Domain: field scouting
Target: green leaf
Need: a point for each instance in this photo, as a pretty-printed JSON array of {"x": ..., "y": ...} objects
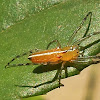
[
  {"x": 36, "y": 31},
  {"x": 13, "y": 11}
]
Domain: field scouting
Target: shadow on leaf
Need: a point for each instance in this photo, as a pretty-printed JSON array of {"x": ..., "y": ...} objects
[{"x": 46, "y": 68}]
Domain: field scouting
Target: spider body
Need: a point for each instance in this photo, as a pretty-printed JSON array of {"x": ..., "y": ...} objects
[{"x": 55, "y": 56}]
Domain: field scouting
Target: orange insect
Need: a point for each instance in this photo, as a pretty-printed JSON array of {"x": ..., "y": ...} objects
[{"x": 70, "y": 53}]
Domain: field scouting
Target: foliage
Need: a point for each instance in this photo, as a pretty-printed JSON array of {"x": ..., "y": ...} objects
[{"x": 24, "y": 29}]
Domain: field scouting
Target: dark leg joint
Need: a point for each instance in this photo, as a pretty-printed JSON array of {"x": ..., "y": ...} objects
[
  {"x": 60, "y": 84},
  {"x": 31, "y": 52},
  {"x": 28, "y": 64},
  {"x": 12, "y": 60},
  {"x": 20, "y": 64}
]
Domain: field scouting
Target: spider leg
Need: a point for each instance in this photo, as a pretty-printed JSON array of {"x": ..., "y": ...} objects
[
  {"x": 66, "y": 72},
  {"x": 80, "y": 26},
  {"x": 84, "y": 59},
  {"x": 97, "y": 57},
  {"x": 88, "y": 36},
  {"x": 14, "y": 65},
  {"x": 93, "y": 62},
  {"x": 8, "y": 64},
  {"x": 58, "y": 44},
  {"x": 62, "y": 67}
]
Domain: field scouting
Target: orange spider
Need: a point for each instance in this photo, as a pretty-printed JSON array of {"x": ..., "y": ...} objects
[{"x": 70, "y": 53}]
